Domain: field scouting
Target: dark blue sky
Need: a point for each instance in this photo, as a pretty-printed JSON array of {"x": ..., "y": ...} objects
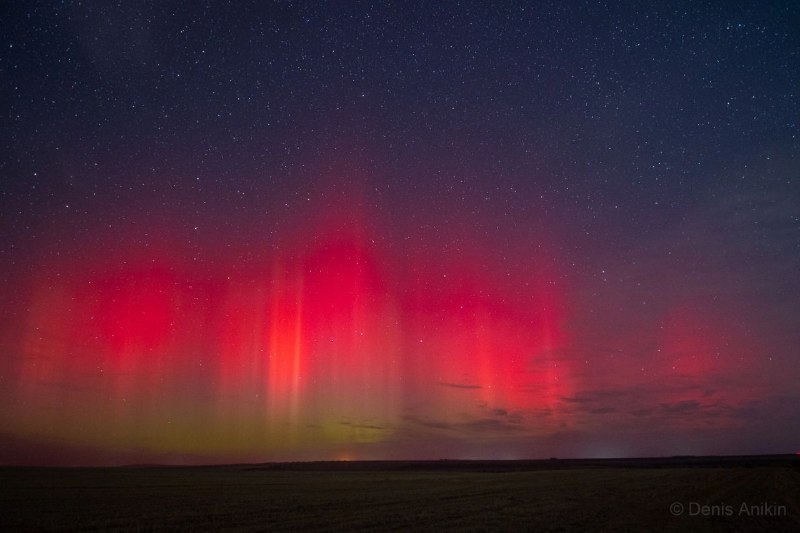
[{"x": 592, "y": 209}]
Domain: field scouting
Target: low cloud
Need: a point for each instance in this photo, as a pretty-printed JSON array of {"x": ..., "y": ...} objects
[{"x": 459, "y": 385}]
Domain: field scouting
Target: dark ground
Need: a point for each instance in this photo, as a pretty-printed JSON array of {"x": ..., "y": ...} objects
[{"x": 551, "y": 495}]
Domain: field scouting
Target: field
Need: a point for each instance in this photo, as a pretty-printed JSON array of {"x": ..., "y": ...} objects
[{"x": 537, "y": 495}]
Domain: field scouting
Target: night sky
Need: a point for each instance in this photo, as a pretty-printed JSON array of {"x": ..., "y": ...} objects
[{"x": 255, "y": 231}]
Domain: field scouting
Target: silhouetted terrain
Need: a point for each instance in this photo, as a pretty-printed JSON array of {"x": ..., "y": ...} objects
[
  {"x": 706, "y": 493},
  {"x": 555, "y": 463}
]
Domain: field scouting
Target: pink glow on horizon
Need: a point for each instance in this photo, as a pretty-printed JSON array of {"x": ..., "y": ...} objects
[{"x": 342, "y": 339}]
